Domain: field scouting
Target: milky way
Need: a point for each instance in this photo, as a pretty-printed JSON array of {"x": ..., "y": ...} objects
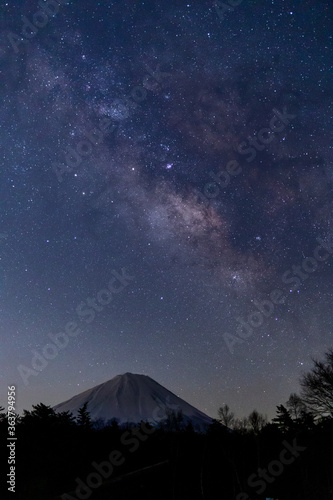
[{"x": 191, "y": 149}]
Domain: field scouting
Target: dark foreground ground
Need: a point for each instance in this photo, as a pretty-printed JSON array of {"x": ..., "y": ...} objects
[{"x": 59, "y": 460}]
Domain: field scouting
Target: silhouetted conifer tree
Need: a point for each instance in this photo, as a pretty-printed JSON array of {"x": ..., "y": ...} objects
[
  {"x": 283, "y": 419},
  {"x": 83, "y": 419}
]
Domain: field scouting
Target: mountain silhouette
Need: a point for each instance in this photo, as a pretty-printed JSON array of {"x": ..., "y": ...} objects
[{"x": 130, "y": 398}]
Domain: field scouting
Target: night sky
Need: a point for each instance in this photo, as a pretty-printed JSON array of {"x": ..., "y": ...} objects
[{"x": 178, "y": 153}]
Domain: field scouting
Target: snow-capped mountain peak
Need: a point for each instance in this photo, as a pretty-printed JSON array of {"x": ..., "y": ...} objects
[{"x": 130, "y": 398}]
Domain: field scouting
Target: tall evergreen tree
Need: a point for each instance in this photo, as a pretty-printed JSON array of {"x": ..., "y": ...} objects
[
  {"x": 83, "y": 418},
  {"x": 283, "y": 419}
]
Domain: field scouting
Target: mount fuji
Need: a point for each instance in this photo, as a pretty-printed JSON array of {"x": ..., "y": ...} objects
[{"x": 130, "y": 398}]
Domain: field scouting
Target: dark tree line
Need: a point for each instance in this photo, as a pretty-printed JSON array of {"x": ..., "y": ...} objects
[
  {"x": 231, "y": 460},
  {"x": 314, "y": 405}
]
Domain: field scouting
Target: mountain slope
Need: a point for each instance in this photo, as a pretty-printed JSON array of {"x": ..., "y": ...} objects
[{"x": 130, "y": 398}]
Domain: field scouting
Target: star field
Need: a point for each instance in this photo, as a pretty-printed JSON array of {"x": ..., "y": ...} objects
[{"x": 189, "y": 147}]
